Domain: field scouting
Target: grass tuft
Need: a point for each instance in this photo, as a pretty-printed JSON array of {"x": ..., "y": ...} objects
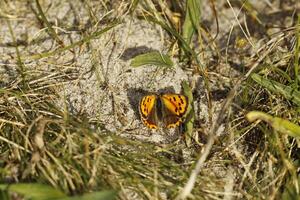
[{"x": 69, "y": 121}]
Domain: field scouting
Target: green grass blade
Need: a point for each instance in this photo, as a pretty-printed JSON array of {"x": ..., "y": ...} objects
[
  {"x": 21, "y": 66},
  {"x": 290, "y": 190},
  {"x": 152, "y": 58},
  {"x": 174, "y": 33},
  {"x": 4, "y": 194},
  {"x": 34, "y": 191},
  {"x": 190, "y": 115},
  {"x": 102, "y": 195},
  {"x": 49, "y": 26},
  {"x": 276, "y": 87},
  {"x": 278, "y": 124},
  {"x": 192, "y": 20},
  {"x": 133, "y": 5}
]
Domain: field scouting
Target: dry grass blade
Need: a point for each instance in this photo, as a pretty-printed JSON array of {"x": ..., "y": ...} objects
[
  {"x": 49, "y": 26},
  {"x": 75, "y": 44},
  {"x": 70, "y": 100},
  {"x": 212, "y": 132},
  {"x": 297, "y": 52}
]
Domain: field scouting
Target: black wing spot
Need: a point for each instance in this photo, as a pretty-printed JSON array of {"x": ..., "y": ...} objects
[
  {"x": 180, "y": 108},
  {"x": 176, "y": 110},
  {"x": 148, "y": 99},
  {"x": 174, "y": 99},
  {"x": 179, "y": 104},
  {"x": 181, "y": 100}
]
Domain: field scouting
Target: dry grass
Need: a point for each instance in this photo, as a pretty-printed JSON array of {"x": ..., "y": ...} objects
[{"x": 47, "y": 136}]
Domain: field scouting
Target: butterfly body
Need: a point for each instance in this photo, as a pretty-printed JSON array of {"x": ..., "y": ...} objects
[{"x": 166, "y": 110}]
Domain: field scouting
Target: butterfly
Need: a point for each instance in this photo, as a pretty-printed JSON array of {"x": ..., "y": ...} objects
[{"x": 165, "y": 110}]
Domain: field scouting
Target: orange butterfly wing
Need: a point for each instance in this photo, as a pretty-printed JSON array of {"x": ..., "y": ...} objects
[
  {"x": 174, "y": 108},
  {"x": 148, "y": 111}
]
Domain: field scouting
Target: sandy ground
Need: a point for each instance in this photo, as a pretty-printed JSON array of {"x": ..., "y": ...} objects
[{"x": 103, "y": 85}]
